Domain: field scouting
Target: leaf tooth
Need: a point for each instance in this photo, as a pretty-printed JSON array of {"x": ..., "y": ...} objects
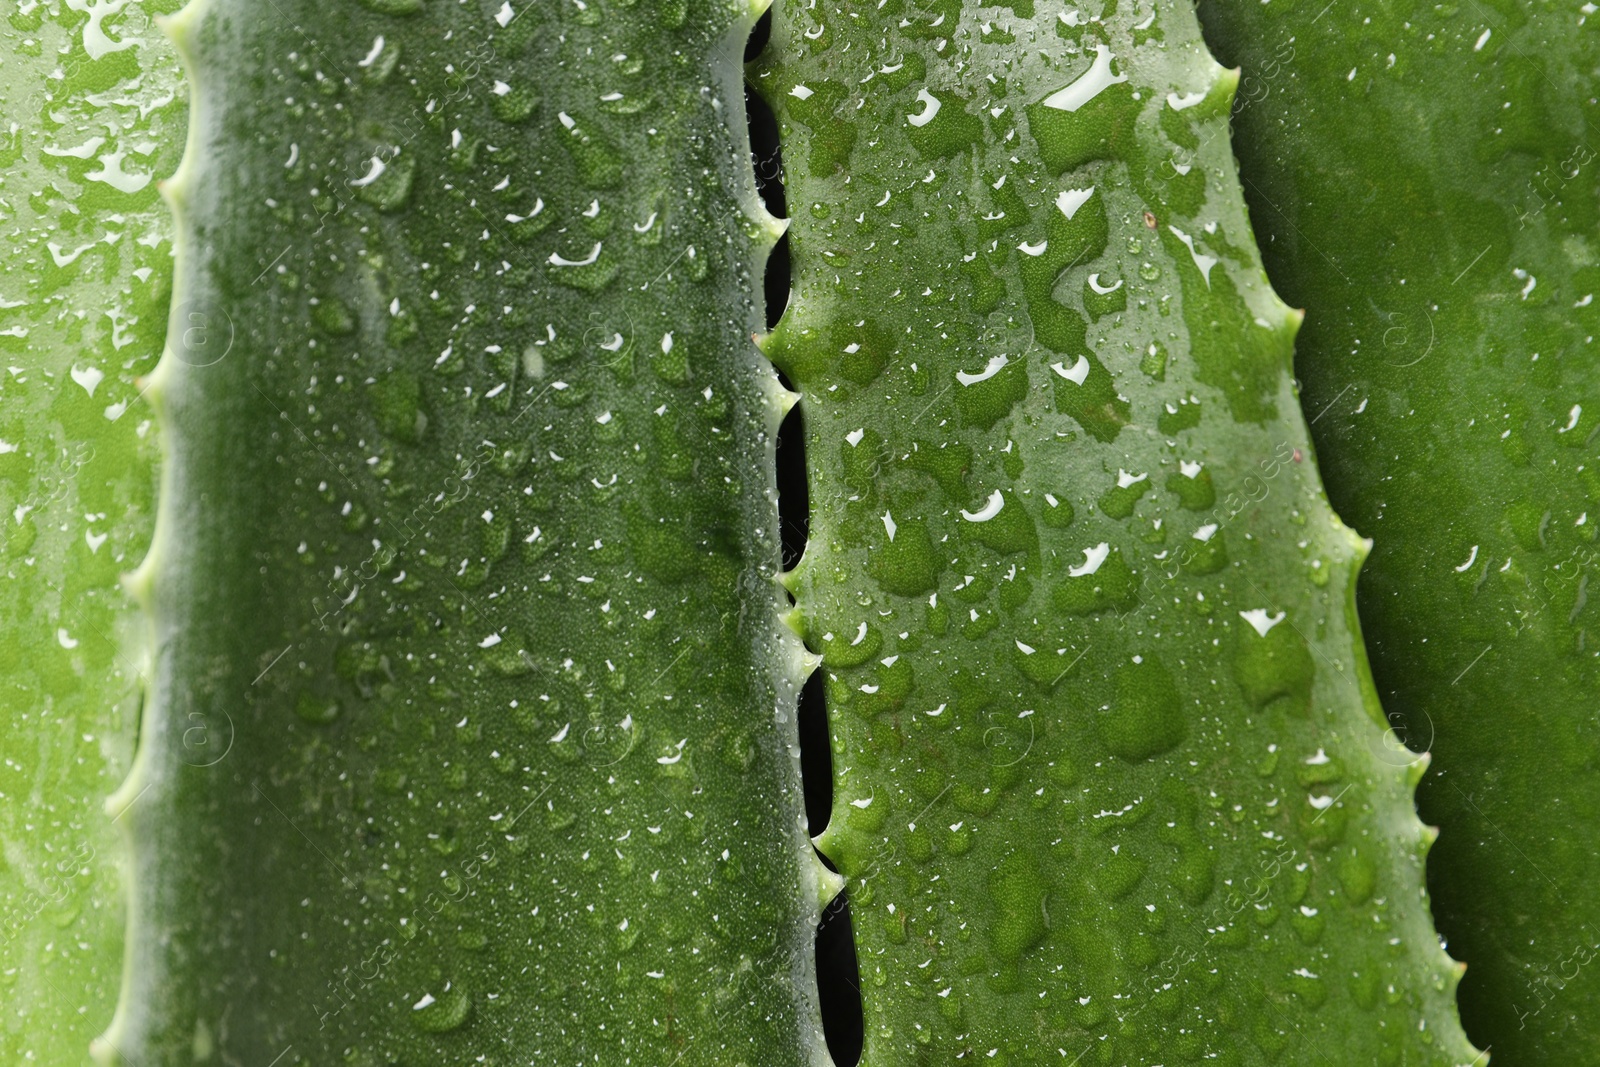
[
  {"x": 1416, "y": 769},
  {"x": 758, "y": 75},
  {"x": 794, "y": 619},
  {"x": 777, "y": 402},
  {"x": 139, "y": 583},
  {"x": 759, "y": 71},
  {"x": 772, "y": 227},
  {"x": 797, "y": 661},
  {"x": 778, "y": 343},
  {"x": 181, "y": 27},
  {"x": 106, "y": 1048},
  {"x": 829, "y": 883},
  {"x": 1294, "y": 317},
  {"x": 828, "y": 842},
  {"x": 838, "y": 843},
  {"x": 103, "y": 1049},
  {"x": 118, "y": 803},
  {"x": 153, "y": 386},
  {"x": 1226, "y": 81},
  {"x": 1346, "y": 546},
  {"x": 810, "y": 662},
  {"x": 176, "y": 189},
  {"x": 769, "y": 230},
  {"x": 794, "y": 579},
  {"x": 791, "y": 579}
]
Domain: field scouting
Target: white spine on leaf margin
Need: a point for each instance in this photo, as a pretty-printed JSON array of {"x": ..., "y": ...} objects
[{"x": 181, "y": 29}]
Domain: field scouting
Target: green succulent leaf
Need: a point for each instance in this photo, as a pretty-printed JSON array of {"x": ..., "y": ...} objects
[
  {"x": 1426, "y": 181},
  {"x": 1112, "y": 783},
  {"x": 467, "y": 548},
  {"x": 95, "y": 111},
  {"x": 467, "y": 732}
]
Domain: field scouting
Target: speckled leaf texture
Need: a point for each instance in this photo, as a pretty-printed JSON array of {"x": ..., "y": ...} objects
[
  {"x": 1425, "y": 178},
  {"x": 1112, "y": 784},
  {"x": 467, "y": 551},
  {"x": 95, "y": 109}
]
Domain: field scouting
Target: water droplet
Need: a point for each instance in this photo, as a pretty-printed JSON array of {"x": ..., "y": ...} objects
[
  {"x": 441, "y": 1012},
  {"x": 1146, "y": 717},
  {"x": 1018, "y": 894}
]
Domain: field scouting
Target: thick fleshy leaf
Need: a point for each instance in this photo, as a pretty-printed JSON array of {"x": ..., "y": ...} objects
[
  {"x": 1425, "y": 181},
  {"x": 1112, "y": 783},
  {"x": 94, "y": 112},
  {"x": 467, "y": 546}
]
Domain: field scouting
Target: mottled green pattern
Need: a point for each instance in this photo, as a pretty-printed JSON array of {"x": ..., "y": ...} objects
[
  {"x": 94, "y": 112},
  {"x": 466, "y": 555},
  {"x": 1426, "y": 182},
  {"x": 1112, "y": 784}
]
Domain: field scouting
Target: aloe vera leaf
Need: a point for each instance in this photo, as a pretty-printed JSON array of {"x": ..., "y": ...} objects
[
  {"x": 468, "y": 548},
  {"x": 94, "y": 109},
  {"x": 1112, "y": 784},
  {"x": 1426, "y": 178}
]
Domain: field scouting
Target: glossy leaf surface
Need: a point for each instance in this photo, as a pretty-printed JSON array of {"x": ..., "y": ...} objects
[
  {"x": 467, "y": 548},
  {"x": 95, "y": 112},
  {"x": 1111, "y": 782},
  {"x": 1425, "y": 181}
]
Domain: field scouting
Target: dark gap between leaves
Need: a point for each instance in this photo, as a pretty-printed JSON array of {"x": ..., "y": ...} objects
[
  {"x": 839, "y": 983},
  {"x": 838, "y": 971}
]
